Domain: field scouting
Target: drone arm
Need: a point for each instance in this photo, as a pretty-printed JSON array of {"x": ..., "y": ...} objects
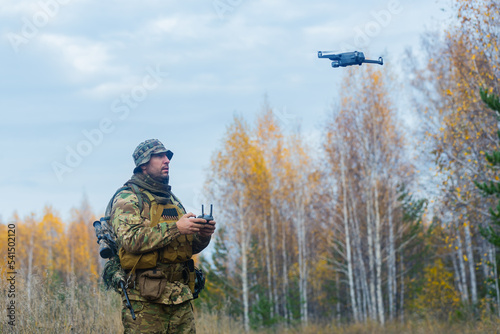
[
  {"x": 380, "y": 61},
  {"x": 328, "y": 54}
]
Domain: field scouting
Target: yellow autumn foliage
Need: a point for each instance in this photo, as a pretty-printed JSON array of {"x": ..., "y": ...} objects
[{"x": 438, "y": 295}]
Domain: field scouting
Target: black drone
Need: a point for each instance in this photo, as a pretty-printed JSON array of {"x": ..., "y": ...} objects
[{"x": 348, "y": 58}]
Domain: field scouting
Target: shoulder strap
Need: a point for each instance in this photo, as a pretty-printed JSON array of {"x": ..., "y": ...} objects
[
  {"x": 135, "y": 189},
  {"x": 137, "y": 192},
  {"x": 107, "y": 213},
  {"x": 150, "y": 196}
]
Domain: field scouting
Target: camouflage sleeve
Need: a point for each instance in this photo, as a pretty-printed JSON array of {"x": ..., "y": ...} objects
[
  {"x": 200, "y": 243},
  {"x": 113, "y": 273},
  {"x": 134, "y": 232}
]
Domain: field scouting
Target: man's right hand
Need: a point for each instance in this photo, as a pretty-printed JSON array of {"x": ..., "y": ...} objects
[{"x": 188, "y": 225}]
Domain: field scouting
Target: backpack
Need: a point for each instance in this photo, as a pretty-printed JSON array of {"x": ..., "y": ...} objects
[{"x": 106, "y": 237}]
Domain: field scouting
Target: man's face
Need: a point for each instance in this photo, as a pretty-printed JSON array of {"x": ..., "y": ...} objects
[{"x": 157, "y": 167}]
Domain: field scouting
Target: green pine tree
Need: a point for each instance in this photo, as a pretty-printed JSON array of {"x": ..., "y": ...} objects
[
  {"x": 219, "y": 293},
  {"x": 492, "y": 232}
]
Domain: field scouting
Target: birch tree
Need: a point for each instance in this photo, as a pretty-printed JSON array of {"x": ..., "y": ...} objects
[
  {"x": 233, "y": 188},
  {"x": 365, "y": 126},
  {"x": 458, "y": 129}
]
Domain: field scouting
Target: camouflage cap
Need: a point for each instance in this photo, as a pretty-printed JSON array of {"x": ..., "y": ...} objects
[{"x": 144, "y": 150}]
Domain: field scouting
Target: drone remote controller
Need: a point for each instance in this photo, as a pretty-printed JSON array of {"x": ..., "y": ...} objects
[{"x": 205, "y": 216}]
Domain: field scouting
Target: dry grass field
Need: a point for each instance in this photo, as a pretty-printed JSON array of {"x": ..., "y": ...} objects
[{"x": 74, "y": 308}]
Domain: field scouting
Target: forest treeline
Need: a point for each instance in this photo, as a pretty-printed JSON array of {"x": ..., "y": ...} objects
[{"x": 377, "y": 221}]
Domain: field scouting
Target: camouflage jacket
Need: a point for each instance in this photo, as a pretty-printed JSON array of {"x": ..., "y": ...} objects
[{"x": 136, "y": 235}]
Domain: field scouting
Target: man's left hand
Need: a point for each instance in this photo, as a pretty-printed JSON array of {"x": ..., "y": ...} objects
[{"x": 206, "y": 230}]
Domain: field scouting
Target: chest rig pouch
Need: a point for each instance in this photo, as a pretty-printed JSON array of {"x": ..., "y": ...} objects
[
  {"x": 181, "y": 249},
  {"x": 178, "y": 251}
]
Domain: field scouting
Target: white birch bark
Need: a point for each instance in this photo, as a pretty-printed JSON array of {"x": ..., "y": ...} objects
[
  {"x": 354, "y": 305},
  {"x": 378, "y": 259},
  {"x": 274, "y": 238},
  {"x": 30, "y": 267},
  {"x": 402, "y": 289},
  {"x": 337, "y": 304},
  {"x": 391, "y": 265},
  {"x": 371, "y": 257},
  {"x": 360, "y": 263},
  {"x": 461, "y": 266},
  {"x": 268, "y": 263},
  {"x": 457, "y": 277},
  {"x": 492, "y": 260},
  {"x": 300, "y": 209},
  {"x": 244, "y": 263},
  {"x": 471, "y": 262},
  {"x": 285, "y": 273},
  {"x": 359, "y": 292}
]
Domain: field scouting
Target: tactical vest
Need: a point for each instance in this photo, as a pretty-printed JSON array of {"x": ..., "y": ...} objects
[{"x": 178, "y": 251}]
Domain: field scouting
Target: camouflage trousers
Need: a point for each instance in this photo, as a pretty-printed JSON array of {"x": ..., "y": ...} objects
[{"x": 158, "y": 318}]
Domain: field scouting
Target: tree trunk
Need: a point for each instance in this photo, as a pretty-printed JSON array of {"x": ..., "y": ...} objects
[
  {"x": 268, "y": 263},
  {"x": 461, "y": 267},
  {"x": 285, "y": 273},
  {"x": 30, "y": 267},
  {"x": 244, "y": 264},
  {"x": 354, "y": 305},
  {"x": 371, "y": 257},
  {"x": 275, "y": 278},
  {"x": 360, "y": 263},
  {"x": 457, "y": 277},
  {"x": 337, "y": 304},
  {"x": 472, "y": 265},
  {"x": 300, "y": 208},
  {"x": 378, "y": 259},
  {"x": 493, "y": 262},
  {"x": 391, "y": 265},
  {"x": 402, "y": 290}
]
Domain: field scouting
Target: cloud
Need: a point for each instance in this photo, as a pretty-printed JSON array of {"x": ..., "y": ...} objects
[
  {"x": 325, "y": 31},
  {"x": 105, "y": 90},
  {"x": 14, "y": 7},
  {"x": 177, "y": 26},
  {"x": 85, "y": 58}
]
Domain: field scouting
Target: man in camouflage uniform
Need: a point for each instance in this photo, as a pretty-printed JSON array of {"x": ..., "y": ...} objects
[{"x": 156, "y": 239}]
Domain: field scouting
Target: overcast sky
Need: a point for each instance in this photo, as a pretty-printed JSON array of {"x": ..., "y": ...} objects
[{"x": 84, "y": 81}]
